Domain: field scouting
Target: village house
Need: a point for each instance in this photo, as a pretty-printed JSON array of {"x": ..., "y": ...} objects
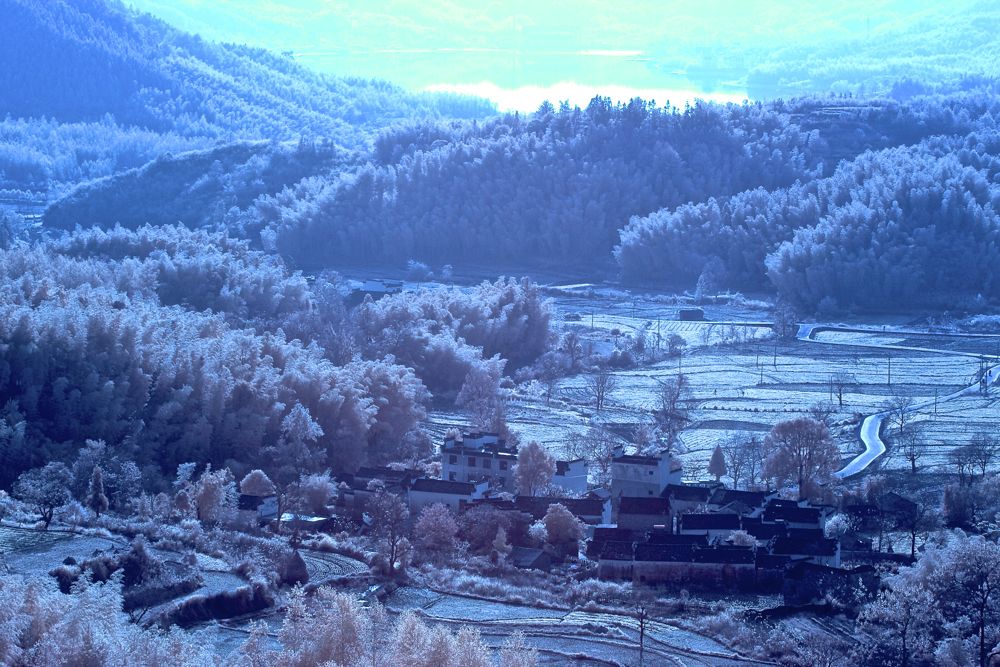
[
  {"x": 253, "y": 510},
  {"x": 713, "y": 526},
  {"x": 809, "y": 583},
  {"x": 639, "y": 476},
  {"x": 376, "y": 289},
  {"x": 527, "y": 558},
  {"x": 795, "y": 514},
  {"x": 821, "y": 551},
  {"x": 479, "y": 457},
  {"x": 710, "y": 567},
  {"x": 636, "y": 513},
  {"x": 571, "y": 476},
  {"x": 426, "y": 491},
  {"x": 590, "y": 511},
  {"x": 355, "y": 489}
]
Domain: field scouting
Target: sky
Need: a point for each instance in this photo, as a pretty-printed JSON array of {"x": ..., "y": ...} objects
[{"x": 519, "y": 52}]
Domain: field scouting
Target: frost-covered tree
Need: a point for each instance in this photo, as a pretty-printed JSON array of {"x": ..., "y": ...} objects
[
  {"x": 45, "y": 489},
  {"x": 389, "y": 516},
  {"x": 436, "y": 532},
  {"x": 534, "y": 470},
  {"x": 801, "y": 451},
  {"x": 899, "y": 625},
  {"x": 214, "y": 495},
  {"x": 313, "y": 493},
  {"x": 482, "y": 397},
  {"x": 564, "y": 530},
  {"x": 97, "y": 502},
  {"x": 597, "y": 446},
  {"x": 717, "y": 464},
  {"x": 515, "y": 652},
  {"x": 500, "y": 548},
  {"x": 671, "y": 414},
  {"x": 257, "y": 483},
  {"x": 601, "y": 385}
]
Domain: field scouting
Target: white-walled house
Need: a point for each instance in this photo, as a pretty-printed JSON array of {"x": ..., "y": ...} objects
[
  {"x": 426, "y": 491},
  {"x": 479, "y": 457},
  {"x": 257, "y": 510},
  {"x": 640, "y": 476},
  {"x": 571, "y": 476}
]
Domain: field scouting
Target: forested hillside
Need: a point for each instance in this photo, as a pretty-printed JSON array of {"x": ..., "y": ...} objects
[
  {"x": 175, "y": 345},
  {"x": 198, "y": 188},
  {"x": 89, "y": 88},
  {"x": 76, "y": 61},
  {"x": 900, "y": 227},
  {"x": 762, "y": 197}
]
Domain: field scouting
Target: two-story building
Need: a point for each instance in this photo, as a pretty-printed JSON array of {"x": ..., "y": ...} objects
[
  {"x": 571, "y": 476},
  {"x": 639, "y": 476},
  {"x": 479, "y": 457}
]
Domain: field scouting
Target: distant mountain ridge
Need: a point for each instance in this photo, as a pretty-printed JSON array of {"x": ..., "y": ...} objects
[{"x": 81, "y": 60}]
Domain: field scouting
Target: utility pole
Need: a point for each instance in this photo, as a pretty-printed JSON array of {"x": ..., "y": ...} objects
[
  {"x": 643, "y": 614},
  {"x": 774, "y": 360}
]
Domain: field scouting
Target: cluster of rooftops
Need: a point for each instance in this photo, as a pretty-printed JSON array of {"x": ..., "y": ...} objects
[{"x": 647, "y": 517}]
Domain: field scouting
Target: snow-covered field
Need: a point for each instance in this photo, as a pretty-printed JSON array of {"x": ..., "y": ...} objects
[
  {"x": 749, "y": 386},
  {"x": 569, "y": 637}
]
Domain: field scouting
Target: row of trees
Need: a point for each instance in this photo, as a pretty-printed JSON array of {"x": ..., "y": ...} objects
[{"x": 44, "y": 627}]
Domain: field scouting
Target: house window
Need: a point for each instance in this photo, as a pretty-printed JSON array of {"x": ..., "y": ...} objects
[
  {"x": 503, "y": 465},
  {"x": 452, "y": 459},
  {"x": 451, "y": 477},
  {"x": 472, "y": 461},
  {"x": 487, "y": 464}
]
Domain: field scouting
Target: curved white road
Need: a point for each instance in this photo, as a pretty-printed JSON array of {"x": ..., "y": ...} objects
[{"x": 871, "y": 427}]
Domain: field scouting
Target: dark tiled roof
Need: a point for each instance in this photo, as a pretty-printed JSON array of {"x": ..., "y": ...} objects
[
  {"x": 792, "y": 513},
  {"x": 895, "y": 503},
  {"x": 384, "y": 472},
  {"x": 616, "y": 550},
  {"x": 725, "y": 554},
  {"x": 806, "y": 533},
  {"x": 764, "y": 531},
  {"x": 749, "y": 498},
  {"x": 615, "y": 535},
  {"x": 697, "y": 494},
  {"x": 645, "y": 506},
  {"x": 766, "y": 561},
  {"x": 710, "y": 522},
  {"x": 804, "y": 569},
  {"x": 862, "y": 510},
  {"x": 637, "y": 460},
  {"x": 664, "y": 553},
  {"x": 537, "y": 506},
  {"x": 247, "y": 502},
  {"x": 792, "y": 547},
  {"x": 526, "y": 557},
  {"x": 443, "y": 486},
  {"x": 663, "y": 537}
]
